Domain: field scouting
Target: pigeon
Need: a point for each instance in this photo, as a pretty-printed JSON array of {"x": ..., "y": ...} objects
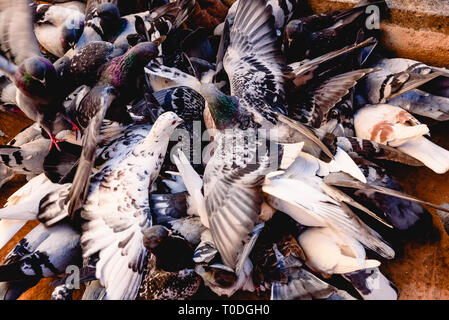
[
  {"x": 438, "y": 86},
  {"x": 396, "y": 127},
  {"x": 188, "y": 105},
  {"x": 367, "y": 150},
  {"x": 429, "y": 100},
  {"x": 23, "y": 205},
  {"x": 114, "y": 88},
  {"x": 26, "y": 152},
  {"x": 170, "y": 273},
  {"x": 315, "y": 35},
  {"x": 163, "y": 285},
  {"x": 261, "y": 97},
  {"x": 124, "y": 251},
  {"x": 279, "y": 232},
  {"x": 330, "y": 252},
  {"x": 328, "y": 209},
  {"x": 394, "y": 79},
  {"x": 300, "y": 284},
  {"x": 57, "y": 28},
  {"x": 222, "y": 279},
  {"x": 34, "y": 76},
  {"x": 404, "y": 214},
  {"x": 41, "y": 254},
  {"x": 158, "y": 21}
]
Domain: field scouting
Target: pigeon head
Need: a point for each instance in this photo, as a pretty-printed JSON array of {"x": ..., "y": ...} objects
[
  {"x": 71, "y": 32},
  {"x": 293, "y": 29},
  {"x": 36, "y": 77},
  {"x": 109, "y": 16},
  {"x": 166, "y": 123},
  {"x": 224, "y": 109},
  {"x": 141, "y": 54},
  {"x": 123, "y": 71},
  {"x": 154, "y": 236}
]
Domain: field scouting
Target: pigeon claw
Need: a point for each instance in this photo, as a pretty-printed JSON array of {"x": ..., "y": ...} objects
[
  {"x": 55, "y": 142},
  {"x": 75, "y": 128}
]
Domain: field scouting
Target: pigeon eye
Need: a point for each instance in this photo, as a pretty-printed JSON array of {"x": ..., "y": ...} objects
[{"x": 334, "y": 113}]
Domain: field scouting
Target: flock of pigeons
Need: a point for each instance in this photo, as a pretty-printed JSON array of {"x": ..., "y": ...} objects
[{"x": 286, "y": 192}]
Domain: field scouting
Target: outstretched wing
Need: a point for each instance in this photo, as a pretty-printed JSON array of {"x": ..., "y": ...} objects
[
  {"x": 233, "y": 196},
  {"x": 94, "y": 107},
  {"x": 17, "y": 39},
  {"x": 115, "y": 218},
  {"x": 324, "y": 97},
  {"x": 253, "y": 60}
]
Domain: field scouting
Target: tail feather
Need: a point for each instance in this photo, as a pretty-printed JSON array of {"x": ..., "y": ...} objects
[
  {"x": 194, "y": 184},
  {"x": 345, "y": 181},
  {"x": 60, "y": 165},
  {"x": 162, "y": 77},
  {"x": 303, "y": 285}
]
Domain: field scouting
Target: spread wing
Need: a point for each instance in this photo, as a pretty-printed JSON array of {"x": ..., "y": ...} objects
[
  {"x": 93, "y": 110},
  {"x": 233, "y": 196},
  {"x": 115, "y": 218},
  {"x": 17, "y": 39},
  {"x": 325, "y": 96},
  {"x": 253, "y": 59}
]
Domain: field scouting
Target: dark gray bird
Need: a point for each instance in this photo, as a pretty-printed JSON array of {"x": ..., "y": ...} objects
[
  {"x": 315, "y": 35},
  {"x": 157, "y": 22},
  {"x": 396, "y": 77},
  {"x": 170, "y": 270},
  {"x": 256, "y": 71},
  {"x": 187, "y": 104}
]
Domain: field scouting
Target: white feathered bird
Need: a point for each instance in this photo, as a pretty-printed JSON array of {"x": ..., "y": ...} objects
[{"x": 396, "y": 127}]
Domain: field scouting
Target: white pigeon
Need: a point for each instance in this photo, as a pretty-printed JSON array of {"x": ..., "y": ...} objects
[
  {"x": 396, "y": 127},
  {"x": 116, "y": 211},
  {"x": 332, "y": 253}
]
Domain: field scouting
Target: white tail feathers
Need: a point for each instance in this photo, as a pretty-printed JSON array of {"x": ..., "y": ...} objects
[
  {"x": 344, "y": 163},
  {"x": 162, "y": 77},
  {"x": 432, "y": 155},
  {"x": 193, "y": 183}
]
